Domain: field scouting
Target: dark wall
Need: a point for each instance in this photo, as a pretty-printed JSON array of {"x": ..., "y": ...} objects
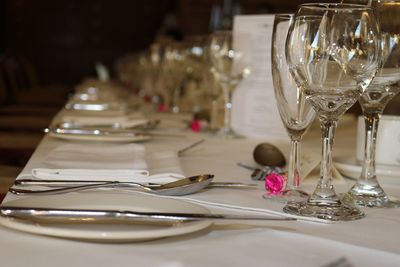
[{"x": 65, "y": 38}]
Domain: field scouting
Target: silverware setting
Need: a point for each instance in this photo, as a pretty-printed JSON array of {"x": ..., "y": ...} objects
[
  {"x": 180, "y": 187},
  {"x": 51, "y": 215},
  {"x": 95, "y": 106},
  {"x": 108, "y": 132},
  {"x": 149, "y": 125},
  {"x": 185, "y": 149}
]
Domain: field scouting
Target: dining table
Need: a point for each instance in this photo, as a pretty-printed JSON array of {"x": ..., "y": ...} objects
[{"x": 371, "y": 241}]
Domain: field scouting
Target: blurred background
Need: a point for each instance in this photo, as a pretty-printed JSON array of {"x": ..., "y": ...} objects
[
  {"x": 48, "y": 47},
  {"x": 64, "y": 39}
]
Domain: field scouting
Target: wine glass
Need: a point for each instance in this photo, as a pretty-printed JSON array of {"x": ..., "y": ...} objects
[
  {"x": 296, "y": 113},
  {"x": 195, "y": 69},
  {"x": 213, "y": 90},
  {"x": 386, "y": 84},
  {"x": 174, "y": 70},
  {"x": 229, "y": 66},
  {"x": 333, "y": 53}
]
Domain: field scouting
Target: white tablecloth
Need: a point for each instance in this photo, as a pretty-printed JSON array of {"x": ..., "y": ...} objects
[{"x": 372, "y": 241}]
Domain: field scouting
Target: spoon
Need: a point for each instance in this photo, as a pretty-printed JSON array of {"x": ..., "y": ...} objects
[{"x": 180, "y": 187}]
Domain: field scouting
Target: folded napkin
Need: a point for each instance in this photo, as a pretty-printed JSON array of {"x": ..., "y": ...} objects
[
  {"x": 81, "y": 174},
  {"x": 127, "y": 162},
  {"x": 123, "y": 121},
  {"x": 123, "y": 175}
]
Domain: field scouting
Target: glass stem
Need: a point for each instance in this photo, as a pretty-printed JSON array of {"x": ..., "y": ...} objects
[
  {"x": 371, "y": 129},
  {"x": 228, "y": 92},
  {"x": 214, "y": 114},
  {"x": 176, "y": 97},
  {"x": 294, "y": 163},
  {"x": 324, "y": 191}
]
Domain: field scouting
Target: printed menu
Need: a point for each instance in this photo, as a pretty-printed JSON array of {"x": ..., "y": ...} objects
[{"x": 254, "y": 110}]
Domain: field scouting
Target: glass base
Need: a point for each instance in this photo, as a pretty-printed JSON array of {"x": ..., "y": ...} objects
[
  {"x": 227, "y": 133},
  {"x": 336, "y": 211},
  {"x": 290, "y": 195},
  {"x": 370, "y": 201},
  {"x": 368, "y": 193}
]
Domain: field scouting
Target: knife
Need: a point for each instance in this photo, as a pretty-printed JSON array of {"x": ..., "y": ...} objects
[
  {"x": 52, "y": 215},
  {"x": 64, "y": 183}
]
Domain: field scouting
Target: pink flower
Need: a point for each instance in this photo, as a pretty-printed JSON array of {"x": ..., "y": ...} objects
[
  {"x": 195, "y": 126},
  {"x": 275, "y": 183},
  {"x": 162, "y": 108}
]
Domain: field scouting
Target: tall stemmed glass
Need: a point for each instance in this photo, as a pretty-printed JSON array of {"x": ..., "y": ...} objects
[
  {"x": 174, "y": 70},
  {"x": 229, "y": 66},
  {"x": 195, "y": 69},
  {"x": 296, "y": 113},
  {"x": 367, "y": 191},
  {"x": 333, "y": 53}
]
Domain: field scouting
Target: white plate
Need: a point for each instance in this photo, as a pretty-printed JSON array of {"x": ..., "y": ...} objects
[
  {"x": 107, "y": 232},
  {"x": 115, "y": 137},
  {"x": 349, "y": 167}
]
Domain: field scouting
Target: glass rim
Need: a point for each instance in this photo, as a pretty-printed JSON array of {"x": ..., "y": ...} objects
[
  {"x": 335, "y": 6},
  {"x": 284, "y": 15}
]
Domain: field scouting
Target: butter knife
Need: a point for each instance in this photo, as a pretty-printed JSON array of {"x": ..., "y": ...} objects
[{"x": 52, "y": 215}]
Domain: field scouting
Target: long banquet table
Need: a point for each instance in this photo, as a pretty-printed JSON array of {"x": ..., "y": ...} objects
[{"x": 372, "y": 241}]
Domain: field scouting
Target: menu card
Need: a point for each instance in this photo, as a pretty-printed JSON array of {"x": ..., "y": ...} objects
[{"x": 254, "y": 111}]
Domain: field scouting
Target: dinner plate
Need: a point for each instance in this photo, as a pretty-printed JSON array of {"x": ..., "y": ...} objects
[
  {"x": 350, "y": 167},
  {"x": 110, "y": 137},
  {"x": 107, "y": 232},
  {"x": 96, "y": 106}
]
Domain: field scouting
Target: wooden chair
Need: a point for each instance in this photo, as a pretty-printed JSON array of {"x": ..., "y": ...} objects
[
  {"x": 8, "y": 174},
  {"x": 23, "y": 88},
  {"x": 21, "y": 125}
]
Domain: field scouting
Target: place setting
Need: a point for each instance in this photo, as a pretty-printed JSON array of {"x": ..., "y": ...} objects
[
  {"x": 89, "y": 182},
  {"x": 93, "y": 123},
  {"x": 112, "y": 204},
  {"x": 98, "y": 135}
]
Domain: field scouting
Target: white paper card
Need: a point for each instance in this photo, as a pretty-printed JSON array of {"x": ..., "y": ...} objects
[{"x": 254, "y": 110}]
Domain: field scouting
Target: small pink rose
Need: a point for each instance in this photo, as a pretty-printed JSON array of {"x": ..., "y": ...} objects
[
  {"x": 162, "y": 108},
  {"x": 195, "y": 126},
  {"x": 275, "y": 183}
]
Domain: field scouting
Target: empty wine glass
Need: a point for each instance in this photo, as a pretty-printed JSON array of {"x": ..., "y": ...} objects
[
  {"x": 229, "y": 67},
  {"x": 296, "y": 113},
  {"x": 386, "y": 84},
  {"x": 195, "y": 69},
  {"x": 174, "y": 71},
  {"x": 333, "y": 53}
]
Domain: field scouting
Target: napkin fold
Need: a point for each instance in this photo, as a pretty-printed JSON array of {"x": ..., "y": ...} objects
[
  {"x": 81, "y": 174},
  {"x": 127, "y": 162},
  {"x": 122, "y": 175}
]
